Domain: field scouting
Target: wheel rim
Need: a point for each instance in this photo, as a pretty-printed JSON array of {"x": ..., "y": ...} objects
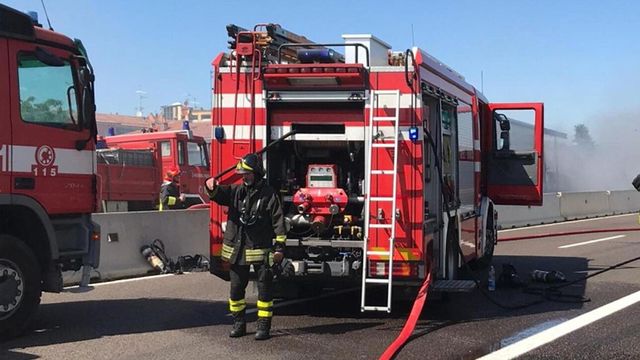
[{"x": 11, "y": 287}]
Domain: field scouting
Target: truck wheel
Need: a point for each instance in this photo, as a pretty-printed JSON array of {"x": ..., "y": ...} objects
[
  {"x": 490, "y": 244},
  {"x": 19, "y": 286}
]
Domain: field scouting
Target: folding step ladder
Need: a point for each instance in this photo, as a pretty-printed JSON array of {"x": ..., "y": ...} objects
[{"x": 373, "y": 143}]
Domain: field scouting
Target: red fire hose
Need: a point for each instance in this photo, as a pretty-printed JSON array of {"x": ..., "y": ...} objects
[
  {"x": 410, "y": 325},
  {"x": 416, "y": 310}
]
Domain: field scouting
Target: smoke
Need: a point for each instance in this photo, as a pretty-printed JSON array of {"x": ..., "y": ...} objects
[{"x": 610, "y": 164}]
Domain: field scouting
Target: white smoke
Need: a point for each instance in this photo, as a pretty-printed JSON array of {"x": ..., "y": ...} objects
[{"x": 611, "y": 164}]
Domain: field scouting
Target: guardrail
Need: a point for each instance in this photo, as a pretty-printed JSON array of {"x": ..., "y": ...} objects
[{"x": 569, "y": 206}]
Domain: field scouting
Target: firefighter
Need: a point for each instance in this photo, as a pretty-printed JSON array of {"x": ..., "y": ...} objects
[
  {"x": 170, "y": 196},
  {"x": 254, "y": 236}
]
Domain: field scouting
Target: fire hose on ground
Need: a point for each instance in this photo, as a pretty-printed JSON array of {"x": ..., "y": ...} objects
[{"x": 416, "y": 310}]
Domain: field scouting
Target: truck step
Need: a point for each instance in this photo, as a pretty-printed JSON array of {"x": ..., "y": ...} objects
[{"x": 453, "y": 285}]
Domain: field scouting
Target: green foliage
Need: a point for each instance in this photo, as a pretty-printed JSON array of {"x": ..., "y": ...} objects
[
  {"x": 582, "y": 138},
  {"x": 48, "y": 111}
]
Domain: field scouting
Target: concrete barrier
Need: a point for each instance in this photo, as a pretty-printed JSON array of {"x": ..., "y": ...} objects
[
  {"x": 584, "y": 204},
  {"x": 570, "y": 206},
  {"x": 184, "y": 232},
  {"x": 622, "y": 202},
  {"x": 515, "y": 216}
]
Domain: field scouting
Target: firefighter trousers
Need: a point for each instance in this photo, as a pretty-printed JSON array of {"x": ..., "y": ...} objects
[{"x": 239, "y": 275}]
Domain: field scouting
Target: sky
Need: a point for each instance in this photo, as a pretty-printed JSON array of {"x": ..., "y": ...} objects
[{"x": 581, "y": 58}]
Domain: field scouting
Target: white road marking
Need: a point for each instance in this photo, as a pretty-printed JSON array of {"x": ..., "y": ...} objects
[
  {"x": 124, "y": 281},
  {"x": 554, "y": 333},
  {"x": 591, "y": 241},
  {"x": 300, "y": 301},
  {"x": 567, "y": 222}
]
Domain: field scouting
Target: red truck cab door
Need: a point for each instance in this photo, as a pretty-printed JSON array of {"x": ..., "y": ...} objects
[
  {"x": 515, "y": 156},
  {"x": 46, "y": 128}
]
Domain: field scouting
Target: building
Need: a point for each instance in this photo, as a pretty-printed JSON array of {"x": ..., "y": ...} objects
[
  {"x": 120, "y": 124},
  {"x": 182, "y": 111}
]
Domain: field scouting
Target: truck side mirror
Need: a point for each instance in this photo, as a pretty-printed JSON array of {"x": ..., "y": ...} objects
[
  {"x": 636, "y": 182},
  {"x": 505, "y": 127},
  {"x": 505, "y": 124}
]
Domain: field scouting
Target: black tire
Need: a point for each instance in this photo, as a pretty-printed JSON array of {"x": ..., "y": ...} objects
[
  {"x": 19, "y": 286},
  {"x": 490, "y": 243}
]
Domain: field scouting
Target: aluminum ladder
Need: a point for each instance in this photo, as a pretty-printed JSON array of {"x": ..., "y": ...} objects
[{"x": 375, "y": 142}]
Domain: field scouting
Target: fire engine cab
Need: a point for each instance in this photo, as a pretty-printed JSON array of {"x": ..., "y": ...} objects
[
  {"x": 47, "y": 165},
  {"x": 131, "y": 168},
  {"x": 388, "y": 163}
]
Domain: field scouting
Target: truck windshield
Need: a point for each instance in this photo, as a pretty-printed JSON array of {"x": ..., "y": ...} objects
[
  {"x": 47, "y": 93},
  {"x": 197, "y": 154}
]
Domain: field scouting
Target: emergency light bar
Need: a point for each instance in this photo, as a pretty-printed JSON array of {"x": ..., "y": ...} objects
[{"x": 314, "y": 76}]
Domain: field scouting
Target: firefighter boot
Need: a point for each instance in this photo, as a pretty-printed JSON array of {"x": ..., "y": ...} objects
[
  {"x": 263, "y": 328},
  {"x": 239, "y": 325}
]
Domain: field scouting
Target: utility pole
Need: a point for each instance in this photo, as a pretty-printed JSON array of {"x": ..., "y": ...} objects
[{"x": 139, "y": 109}]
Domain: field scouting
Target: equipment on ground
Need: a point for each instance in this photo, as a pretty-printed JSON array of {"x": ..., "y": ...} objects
[{"x": 156, "y": 255}]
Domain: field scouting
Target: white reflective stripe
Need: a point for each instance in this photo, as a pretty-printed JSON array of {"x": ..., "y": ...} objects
[
  {"x": 68, "y": 161},
  {"x": 388, "y": 101},
  {"x": 476, "y": 166},
  {"x": 228, "y": 101},
  {"x": 5, "y": 156},
  {"x": 476, "y": 144},
  {"x": 243, "y": 132}
]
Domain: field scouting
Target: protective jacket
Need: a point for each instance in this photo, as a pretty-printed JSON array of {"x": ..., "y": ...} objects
[
  {"x": 169, "y": 196},
  {"x": 255, "y": 219}
]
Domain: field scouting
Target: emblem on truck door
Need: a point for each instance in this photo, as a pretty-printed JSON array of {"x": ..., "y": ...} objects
[{"x": 45, "y": 158}]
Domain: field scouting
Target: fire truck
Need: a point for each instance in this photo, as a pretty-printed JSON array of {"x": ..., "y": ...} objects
[
  {"x": 47, "y": 165},
  {"x": 388, "y": 163},
  {"x": 131, "y": 168}
]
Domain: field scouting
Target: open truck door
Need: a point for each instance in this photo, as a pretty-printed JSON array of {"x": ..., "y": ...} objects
[{"x": 515, "y": 163}]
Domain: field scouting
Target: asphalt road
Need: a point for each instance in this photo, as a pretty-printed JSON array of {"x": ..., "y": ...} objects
[{"x": 186, "y": 316}]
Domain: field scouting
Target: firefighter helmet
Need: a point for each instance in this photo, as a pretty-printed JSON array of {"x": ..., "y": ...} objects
[
  {"x": 172, "y": 172},
  {"x": 250, "y": 163}
]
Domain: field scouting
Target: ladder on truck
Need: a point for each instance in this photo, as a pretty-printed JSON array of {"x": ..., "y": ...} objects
[{"x": 375, "y": 142}]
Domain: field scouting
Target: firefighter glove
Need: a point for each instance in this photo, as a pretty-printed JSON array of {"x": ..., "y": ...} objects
[{"x": 210, "y": 185}]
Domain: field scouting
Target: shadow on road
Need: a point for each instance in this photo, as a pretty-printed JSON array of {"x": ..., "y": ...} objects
[
  {"x": 86, "y": 320},
  {"x": 459, "y": 307}
]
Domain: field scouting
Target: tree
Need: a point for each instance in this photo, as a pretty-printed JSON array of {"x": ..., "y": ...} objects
[{"x": 582, "y": 138}]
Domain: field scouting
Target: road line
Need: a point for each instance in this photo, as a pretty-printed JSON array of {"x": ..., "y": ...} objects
[
  {"x": 552, "y": 334},
  {"x": 124, "y": 281},
  {"x": 591, "y": 241},
  {"x": 300, "y": 301},
  {"x": 567, "y": 222}
]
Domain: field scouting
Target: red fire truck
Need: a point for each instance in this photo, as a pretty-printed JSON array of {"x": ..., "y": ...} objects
[
  {"x": 132, "y": 167},
  {"x": 389, "y": 163},
  {"x": 47, "y": 165}
]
